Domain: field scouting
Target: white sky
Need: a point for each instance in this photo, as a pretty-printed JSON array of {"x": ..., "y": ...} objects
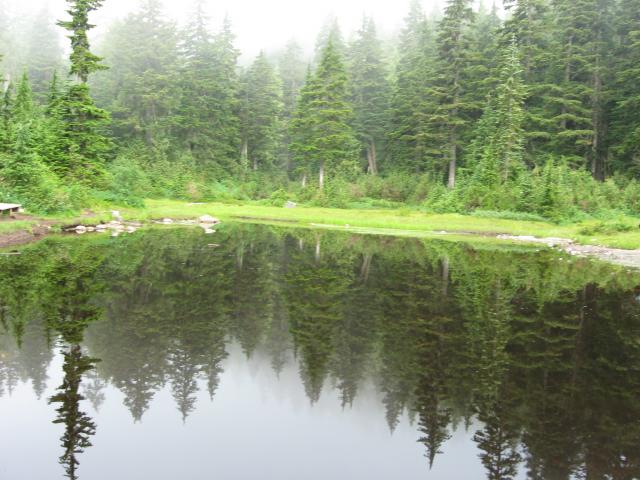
[{"x": 261, "y": 24}]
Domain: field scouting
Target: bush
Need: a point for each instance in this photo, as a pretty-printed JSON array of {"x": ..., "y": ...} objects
[{"x": 129, "y": 184}]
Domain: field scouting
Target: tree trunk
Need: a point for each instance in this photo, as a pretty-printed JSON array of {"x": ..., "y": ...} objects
[
  {"x": 321, "y": 176},
  {"x": 372, "y": 157},
  {"x": 366, "y": 267},
  {"x": 304, "y": 180},
  {"x": 453, "y": 163},
  {"x": 567, "y": 79},
  {"x": 318, "y": 249},
  {"x": 598, "y": 155},
  {"x": 445, "y": 276},
  {"x": 244, "y": 154}
]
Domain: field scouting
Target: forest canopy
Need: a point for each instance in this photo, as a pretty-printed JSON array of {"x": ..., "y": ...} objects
[{"x": 532, "y": 106}]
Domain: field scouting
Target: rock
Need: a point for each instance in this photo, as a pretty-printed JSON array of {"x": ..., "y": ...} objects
[
  {"x": 101, "y": 228},
  {"x": 131, "y": 229},
  {"x": 91, "y": 229},
  {"x": 208, "y": 220},
  {"x": 116, "y": 215},
  {"x": 81, "y": 229},
  {"x": 167, "y": 221},
  {"x": 290, "y": 205},
  {"x": 207, "y": 228}
]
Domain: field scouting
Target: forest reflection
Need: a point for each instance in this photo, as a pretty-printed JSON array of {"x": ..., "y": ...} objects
[{"x": 538, "y": 353}]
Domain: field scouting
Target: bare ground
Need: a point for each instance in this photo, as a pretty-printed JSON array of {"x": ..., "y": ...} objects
[{"x": 627, "y": 258}]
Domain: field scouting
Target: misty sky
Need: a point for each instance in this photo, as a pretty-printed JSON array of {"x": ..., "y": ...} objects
[{"x": 258, "y": 24}]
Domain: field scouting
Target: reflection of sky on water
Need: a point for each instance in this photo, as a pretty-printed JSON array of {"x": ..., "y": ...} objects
[{"x": 258, "y": 426}]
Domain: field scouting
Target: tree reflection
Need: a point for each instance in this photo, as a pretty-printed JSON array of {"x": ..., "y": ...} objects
[
  {"x": 539, "y": 358},
  {"x": 78, "y": 426}
]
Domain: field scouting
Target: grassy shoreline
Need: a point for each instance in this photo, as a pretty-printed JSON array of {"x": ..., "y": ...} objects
[
  {"x": 395, "y": 222},
  {"x": 400, "y": 222}
]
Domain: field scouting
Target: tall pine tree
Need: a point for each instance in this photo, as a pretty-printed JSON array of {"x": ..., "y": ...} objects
[
  {"x": 452, "y": 83},
  {"x": 86, "y": 145},
  {"x": 261, "y": 112},
  {"x": 324, "y": 140},
  {"x": 370, "y": 91}
]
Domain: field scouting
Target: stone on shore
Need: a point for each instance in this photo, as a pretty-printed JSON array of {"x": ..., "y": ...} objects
[{"x": 208, "y": 220}]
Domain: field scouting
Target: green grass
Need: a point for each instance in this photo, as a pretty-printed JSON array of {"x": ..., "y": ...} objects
[
  {"x": 387, "y": 221},
  {"x": 398, "y": 222},
  {"x": 7, "y": 227}
]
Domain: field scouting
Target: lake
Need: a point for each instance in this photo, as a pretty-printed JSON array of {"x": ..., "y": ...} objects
[{"x": 272, "y": 353}]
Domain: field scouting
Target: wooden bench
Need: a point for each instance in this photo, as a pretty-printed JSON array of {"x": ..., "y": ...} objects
[{"x": 9, "y": 208}]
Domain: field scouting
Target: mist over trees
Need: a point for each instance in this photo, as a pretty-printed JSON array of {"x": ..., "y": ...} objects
[{"x": 534, "y": 110}]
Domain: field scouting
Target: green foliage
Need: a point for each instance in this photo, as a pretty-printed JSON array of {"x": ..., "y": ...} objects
[
  {"x": 370, "y": 91},
  {"x": 83, "y": 62},
  {"x": 323, "y": 139},
  {"x": 513, "y": 116},
  {"x": 261, "y": 108}
]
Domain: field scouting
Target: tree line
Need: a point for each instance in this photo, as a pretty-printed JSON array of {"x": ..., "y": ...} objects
[{"x": 462, "y": 110}]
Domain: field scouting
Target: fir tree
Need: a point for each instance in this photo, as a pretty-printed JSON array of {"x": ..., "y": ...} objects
[
  {"x": 626, "y": 112},
  {"x": 530, "y": 23},
  {"x": 570, "y": 107},
  {"x": 44, "y": 53},
  {"x": 83, "y": 61},
  {"x": 369, "y": 90},
  {"x": 452, "y": 84},
  {"x": 261, "y": 114},
  {"x": 412, "y": 139},
  {"x": 292, "y": 70},
  {"x": 324, "y": 138},
  {"x": 140, "y": 86},
  {"x": 85, "y": 143}
]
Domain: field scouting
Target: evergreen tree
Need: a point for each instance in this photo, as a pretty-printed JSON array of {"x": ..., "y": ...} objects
[
  {"x": 85, "y": 143},
  {"x": 44, "y": 53},
  {"x": 261, "y": 112},
  {"x": 208, "y": 102},
  {"x": 412, "y": 140},
  {"x": 292, "y": 70},
  {"x": 83, "y": 61},
  {"x": 323, "y": 136},
  {"x": 23, "y": 106},
  {"x": 140, "y": 86},
  {"x": 529, "y": 22},
  {"x": 578, "y": 82},
  {"x": 505, "y": 143},
  {"x": 626, "y": 112},
  {"x": 452, "y": 83},
  {"x": 482, "y": 73},
  {"x": 330, "y": 32},
  {"x": 496, "y": 155},
  {"x": 226, "y": 126},
  {"x": 369, "y": 90},
  {"x": 6, "y": 107}
]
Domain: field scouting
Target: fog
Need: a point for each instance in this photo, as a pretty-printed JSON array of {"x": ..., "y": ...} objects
[{"x": 258, "y": 24}]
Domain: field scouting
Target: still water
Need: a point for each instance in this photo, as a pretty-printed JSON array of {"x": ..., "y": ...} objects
[{"x": 294, "y": 354}]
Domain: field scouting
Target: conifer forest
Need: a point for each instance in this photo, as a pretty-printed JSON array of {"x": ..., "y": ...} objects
[{"x": 530, "y": 107}]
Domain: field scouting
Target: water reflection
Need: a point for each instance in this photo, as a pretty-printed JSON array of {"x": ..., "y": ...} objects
[{"x": 536, "y": 356}]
